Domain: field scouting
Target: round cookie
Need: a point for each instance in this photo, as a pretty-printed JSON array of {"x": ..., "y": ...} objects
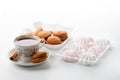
[
  {"x": 53, "y": 40},
  {"x": 44, "y": 34},
  {"x": 61, "y": 34}
]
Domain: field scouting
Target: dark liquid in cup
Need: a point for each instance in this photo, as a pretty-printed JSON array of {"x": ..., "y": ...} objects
[{"x": 26, "y": 42}]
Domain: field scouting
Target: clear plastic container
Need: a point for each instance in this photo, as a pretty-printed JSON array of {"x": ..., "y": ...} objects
[{"x": 85, "y": 51}]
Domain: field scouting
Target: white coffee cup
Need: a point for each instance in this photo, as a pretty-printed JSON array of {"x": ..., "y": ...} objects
[{"x": 27, "y": 45}]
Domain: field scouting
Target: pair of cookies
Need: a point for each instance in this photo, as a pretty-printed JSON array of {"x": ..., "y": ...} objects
[
  {"x": 39, "y": 57},
  {"x": 57, "y": 37}
]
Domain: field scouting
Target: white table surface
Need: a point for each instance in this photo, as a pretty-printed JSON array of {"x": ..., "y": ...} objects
[{"x": 99, "y": 19}]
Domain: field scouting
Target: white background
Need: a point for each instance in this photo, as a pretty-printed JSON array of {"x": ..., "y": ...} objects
[{"x": 96, "y": 18}]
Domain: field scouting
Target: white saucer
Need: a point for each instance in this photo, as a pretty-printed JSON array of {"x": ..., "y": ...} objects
[{"x": 29, "y": 63}]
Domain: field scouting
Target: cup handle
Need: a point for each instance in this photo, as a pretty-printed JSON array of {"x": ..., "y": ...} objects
[{"x": 42, "y": 42}]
